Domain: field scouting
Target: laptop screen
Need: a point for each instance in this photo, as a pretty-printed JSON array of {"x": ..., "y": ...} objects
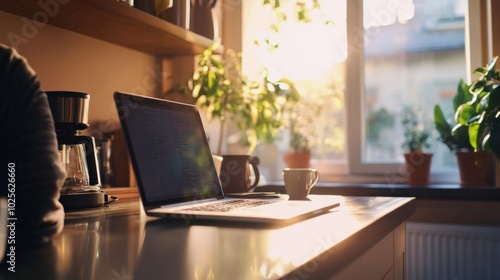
[{"x": 169, "y": 150}]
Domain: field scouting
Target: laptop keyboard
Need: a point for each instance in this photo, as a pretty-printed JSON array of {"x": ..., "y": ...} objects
[{"x": 225, "y": 206}]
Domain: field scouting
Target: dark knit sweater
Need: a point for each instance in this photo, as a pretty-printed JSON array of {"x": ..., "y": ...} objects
[{"x": 28, "y": 142}]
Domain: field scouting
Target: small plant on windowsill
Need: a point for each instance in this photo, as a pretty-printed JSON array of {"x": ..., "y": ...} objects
[
  {"x": 481, "y": 113},
  {"x": 416, "y": 134},
  {"x": 301, "y": 116},
  {"x": 416, "y": 141},
  {"x": 476, "y": 132},
  {"x": 481, "y": 116},
  {"x": 456, "y": 137}
]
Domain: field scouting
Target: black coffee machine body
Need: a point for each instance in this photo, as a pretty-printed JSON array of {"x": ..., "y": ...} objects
[{"x": 77, "y": 152}]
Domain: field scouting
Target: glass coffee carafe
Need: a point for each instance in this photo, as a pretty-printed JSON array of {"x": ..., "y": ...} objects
[
  {"x": 73, "y": 154},
  {"x": 73, "y": 159},
  {"x": 77, "y": 152}
]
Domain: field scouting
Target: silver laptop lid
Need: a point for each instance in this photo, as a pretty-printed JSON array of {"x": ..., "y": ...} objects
[{"x": 169, "y": 150}]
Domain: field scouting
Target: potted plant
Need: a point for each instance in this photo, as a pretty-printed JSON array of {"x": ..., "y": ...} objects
[
  {"x": 219, "y": 87},
  {"x": 480, "y": 113},
  {"x": 416, "y": 140},
  {"x": 476, "y": 106},
  {"x": 301, "y": 115},
  {"x": 472, "y": 164},
  {"x": 481, "y": 116}
]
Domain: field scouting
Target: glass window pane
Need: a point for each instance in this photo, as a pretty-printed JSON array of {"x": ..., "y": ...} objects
[
  {"x": 414, "y": 54},
  {"x": 310, "y": 55}
]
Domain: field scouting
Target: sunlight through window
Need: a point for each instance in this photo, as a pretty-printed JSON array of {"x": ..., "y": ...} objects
[{"x": 310, "y": 55}]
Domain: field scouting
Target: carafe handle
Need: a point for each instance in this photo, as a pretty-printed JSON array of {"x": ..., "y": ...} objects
[{"x": 91, "y": 154}]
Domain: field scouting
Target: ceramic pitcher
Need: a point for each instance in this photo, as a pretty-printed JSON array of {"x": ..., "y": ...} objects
[{"x": 235, "y": 173}]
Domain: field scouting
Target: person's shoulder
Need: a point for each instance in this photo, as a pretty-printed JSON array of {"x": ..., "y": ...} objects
[
  {"x": 19, "y": 84},
  {"x": 5, "y": 49},
  {"x": 15, "y": 66},
  {"x": 10, "y": 58},
  {"x": 7, "y": 54}
]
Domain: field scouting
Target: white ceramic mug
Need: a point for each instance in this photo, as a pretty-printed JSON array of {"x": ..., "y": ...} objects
[{"x": 299, "y": 182}]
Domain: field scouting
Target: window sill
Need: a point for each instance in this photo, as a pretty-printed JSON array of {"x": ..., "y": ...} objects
[{"x": 433, "y": 191}]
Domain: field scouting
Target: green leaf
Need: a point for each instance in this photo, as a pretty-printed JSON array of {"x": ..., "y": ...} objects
[
  {"x": 254, "y": 114},
  {"x": 481, "y": 71},
  {"x": 440, "y": 120},
  {"x": 206, "y": 53},
  {"x": 462, "y": 96},
  {"x": 216, "y": 63},
  {"x": 444, "y": 128},
  {"x": 464, "y": 113},
  {"x": 482, "y": 132},
  {"x": 329, "y": 22},
  {"x": 485, "y": 144},
  {"x": 475, "y": 119},
  {"x": 473, "y": 135},
  {"x": 461, "y": 135},
  {"x": 492, "y": 63},
  {"x": 493, "y": 137},
  {"x": 493, "y": 103},
  {"x": 196, "y": 91},
  {"x": 211, "y": 81},
  {"x": 301, "y": 16},
  {"x": 477, "y": 87}
]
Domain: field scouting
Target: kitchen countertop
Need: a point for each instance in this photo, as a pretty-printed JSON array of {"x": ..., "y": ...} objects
[{"x": 120, "y": 242}]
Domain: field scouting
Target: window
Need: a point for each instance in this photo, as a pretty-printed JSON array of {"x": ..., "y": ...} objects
[
  {"x": 378, "y": 56},
  {"x": 313, "y": 57}
]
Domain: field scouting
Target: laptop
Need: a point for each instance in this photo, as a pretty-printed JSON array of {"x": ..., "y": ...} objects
[{"x": 176, "y": 174}]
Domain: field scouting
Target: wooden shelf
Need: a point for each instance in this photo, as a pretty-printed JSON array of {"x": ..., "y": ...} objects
[{"x": 114, "y": 22}]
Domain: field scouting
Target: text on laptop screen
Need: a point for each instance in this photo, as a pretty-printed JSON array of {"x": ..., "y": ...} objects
[{"x": 171, "y": 151}]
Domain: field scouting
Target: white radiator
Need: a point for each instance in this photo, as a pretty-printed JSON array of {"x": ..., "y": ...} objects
[{"x": 452, "y": 252}]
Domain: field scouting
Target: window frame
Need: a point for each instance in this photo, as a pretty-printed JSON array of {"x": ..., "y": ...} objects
[
  {"x": 353, "y": 169},
  {"x": 354, "y": 98}
]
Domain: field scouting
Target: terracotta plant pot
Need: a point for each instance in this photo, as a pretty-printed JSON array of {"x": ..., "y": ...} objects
[
  {"x": 476, "y": 168},
  {"x": 418, "y": 166},
  {"x": 298, "y": 159}
]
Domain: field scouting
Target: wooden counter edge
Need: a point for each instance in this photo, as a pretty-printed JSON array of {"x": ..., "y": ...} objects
[{"x": 122, "y": 193}]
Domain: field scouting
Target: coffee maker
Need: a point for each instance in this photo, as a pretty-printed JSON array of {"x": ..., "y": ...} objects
[{"x": 77, "y": 152}]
